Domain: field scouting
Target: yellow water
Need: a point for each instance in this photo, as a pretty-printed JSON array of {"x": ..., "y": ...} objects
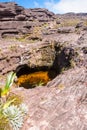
[{"x": 34, "y": 79}]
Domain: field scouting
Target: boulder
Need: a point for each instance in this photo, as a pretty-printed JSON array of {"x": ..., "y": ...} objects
[{"x": 66, "y": 30}]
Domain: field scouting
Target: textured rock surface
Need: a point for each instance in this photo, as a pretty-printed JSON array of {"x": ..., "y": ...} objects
[
  {"x": 39, "y": 55},
  {"x": 62, "y": 105},
  {"x": 57, "y": 52},
  {"x": 41, "y": 40},
  {"x": 66, "y": 30},
  {"x": 16, "y": 21},
  {"x": 39, "y": 33}
]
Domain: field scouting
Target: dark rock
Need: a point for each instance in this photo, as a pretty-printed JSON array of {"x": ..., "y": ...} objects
[
  {"x": 10, "y": 33},
  {"x": 84, "y": 50},
  {"x": 79, "y": 25}
]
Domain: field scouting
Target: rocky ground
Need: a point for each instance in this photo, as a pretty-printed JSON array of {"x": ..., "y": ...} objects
[{"x": 34, "y": 40}]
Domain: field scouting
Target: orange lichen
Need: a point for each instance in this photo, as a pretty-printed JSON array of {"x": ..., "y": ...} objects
[{"x": 34, "y": 79}]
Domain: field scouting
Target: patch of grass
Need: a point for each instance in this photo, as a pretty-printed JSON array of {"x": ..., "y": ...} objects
[
  {"x": 4, "y": 123},
  {"x": 18, "y": 99},
  {"x": 69, "y": 22},
  {"x": 85, "y": 22}
]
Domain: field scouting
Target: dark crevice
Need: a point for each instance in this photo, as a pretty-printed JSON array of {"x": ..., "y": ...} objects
[
  {"x": 25, "y": 69},
  {"x": 35, "y": 76},
  {"x": 44, "y": 74}
]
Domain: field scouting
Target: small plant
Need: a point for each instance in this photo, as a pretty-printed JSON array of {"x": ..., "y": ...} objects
[
  {"x": 14, "y": 116},
  {"x": 4, "y": 122},
  {"x": 40, "y": 83},
  {"x": 12, "y": 109},
  {"x": 10, "y": 79},
  {"x": 18, "y": 99},
  {"x": 23, "y": 108}
]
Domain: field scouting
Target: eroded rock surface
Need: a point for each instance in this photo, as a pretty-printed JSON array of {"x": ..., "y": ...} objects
[
  {"x": 16, "y": 21},
  {"x": 60, "y": 105},
  {"x": 37, "y": 39}
]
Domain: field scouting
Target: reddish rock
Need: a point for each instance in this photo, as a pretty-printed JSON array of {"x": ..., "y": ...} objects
[
  {"x": 30, "y": 42},
  {"x": 62, "y": 105},
  {"x": 14, "y": 17}
]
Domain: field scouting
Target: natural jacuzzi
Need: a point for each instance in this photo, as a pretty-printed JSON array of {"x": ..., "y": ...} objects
[{"x": 30, "y": 78}]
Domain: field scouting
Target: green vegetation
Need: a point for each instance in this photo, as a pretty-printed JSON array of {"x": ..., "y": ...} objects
[
  {"x": 18, "y": 99},
  {"x": 11, "y": 116},
  {"x": 9, "y": 82},
  {"x": 12, "y": 108},
  {"x": 41, "y": 83},
  {"x": 72, "y": 63},
  {"x": 68, "y": 22}
]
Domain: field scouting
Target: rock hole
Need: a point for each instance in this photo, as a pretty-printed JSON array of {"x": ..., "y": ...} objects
[{"x": 30, "y": 78}]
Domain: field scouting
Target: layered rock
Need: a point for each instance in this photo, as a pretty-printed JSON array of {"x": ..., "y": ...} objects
[
  {"x": 44, "y": 41},
  {"x": 44, "y": 55},
  {"x": 16, "y": 21},
  {"x": 57, "y": 55},
  {"x": 51, "y": 43}
]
